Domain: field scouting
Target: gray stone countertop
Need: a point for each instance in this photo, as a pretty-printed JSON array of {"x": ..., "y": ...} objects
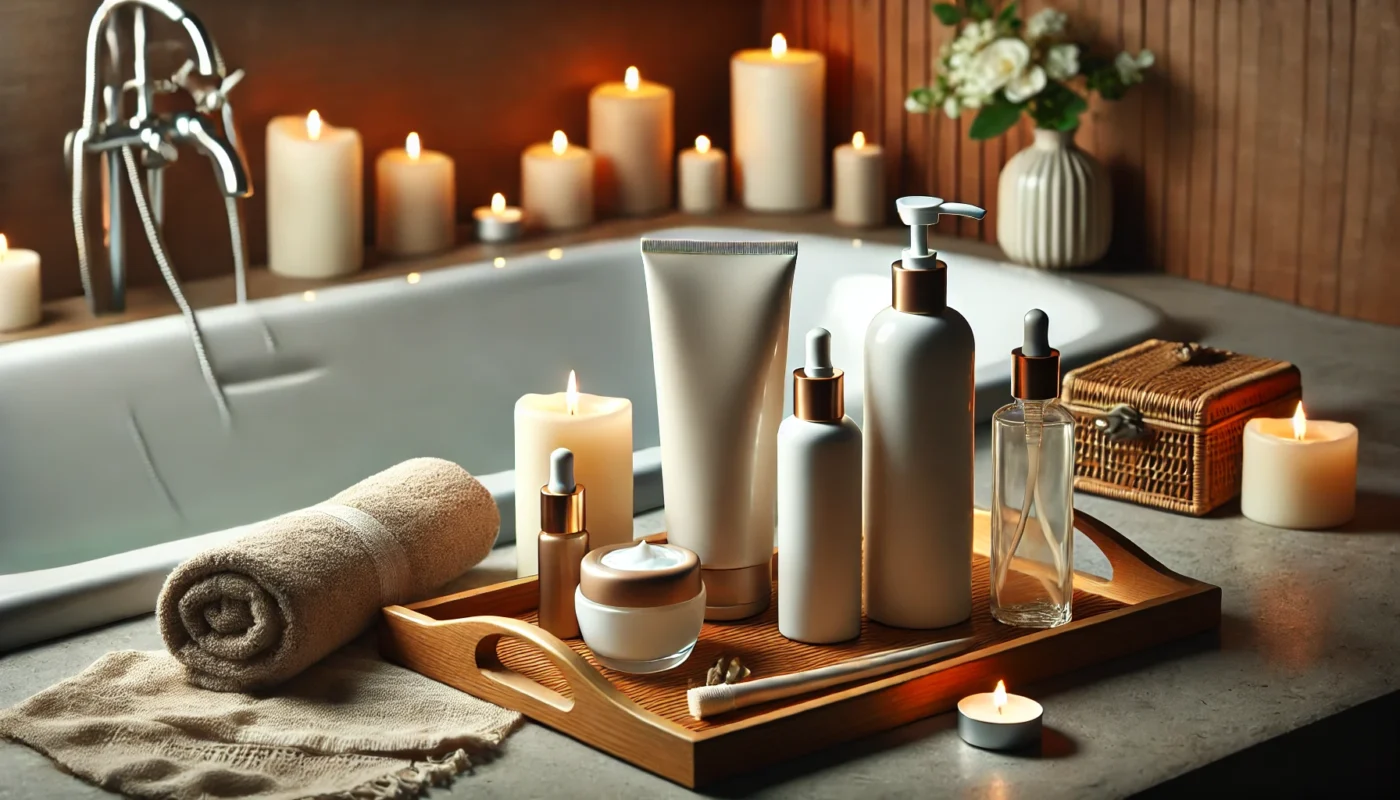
[{"x": 1311, "y": 625}]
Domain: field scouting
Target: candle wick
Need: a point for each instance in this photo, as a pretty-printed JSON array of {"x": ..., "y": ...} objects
[{"x": 998, "y": 710}]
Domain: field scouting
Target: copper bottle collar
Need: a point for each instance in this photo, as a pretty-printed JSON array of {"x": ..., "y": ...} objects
[
  {"x": 562, "y": 513},
  {"x": 919, "y": 291},
  {"x": 819, "y": 399},
  {"x": 1035, "y": 377}
]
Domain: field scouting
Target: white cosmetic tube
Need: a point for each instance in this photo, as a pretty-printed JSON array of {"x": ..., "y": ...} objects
[{"x": 719, "y": 330}]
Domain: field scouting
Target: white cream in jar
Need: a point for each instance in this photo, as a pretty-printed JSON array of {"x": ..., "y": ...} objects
[{"x": 640, "y": 606}]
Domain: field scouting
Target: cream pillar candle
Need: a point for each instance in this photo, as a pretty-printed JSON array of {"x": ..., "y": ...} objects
[
  {"x": 21, "y": 304},
  {"x": 631, "y": 130},
  {"x": 858, "y": 183},
  {"x": 702, "y": 177},
  {"x": 315, "y": 198},
  {"x": 556, "y": 184},
  {"x": 599, "y": 432},
  {"x": 776, "y": 97},
  {"x": 1299, "y": 473},
  {"x": 416, "y": 200}
]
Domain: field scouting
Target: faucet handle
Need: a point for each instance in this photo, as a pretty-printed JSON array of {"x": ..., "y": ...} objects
[{"x": 208, "y": 98}]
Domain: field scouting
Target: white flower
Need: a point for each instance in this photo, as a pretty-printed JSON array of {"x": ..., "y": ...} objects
[
  {"x": 952, "y": 108},
  {"x": 1048, "y": 22},
  {"x": 913, "y": 106},
  {"x": 1130, "y": 68},
  {"x": 1026, "y": 85},
  {"x": 997, "y": 64},
  {"x": 1062, "y": 61},
  {"x": 975, "y": 36}
]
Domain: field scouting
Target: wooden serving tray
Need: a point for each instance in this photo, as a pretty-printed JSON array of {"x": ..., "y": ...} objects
[{"x": 485, "y": 643}]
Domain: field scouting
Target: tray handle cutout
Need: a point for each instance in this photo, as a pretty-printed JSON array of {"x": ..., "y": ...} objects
[{"x": 1136, "y": 575}]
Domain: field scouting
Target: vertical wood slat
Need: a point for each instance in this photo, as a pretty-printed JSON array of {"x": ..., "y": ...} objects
[
  {"x": 1246, "y": 160},
  {"x": 1259, "y": 155},
  {"x": 1227, "y": 90}
]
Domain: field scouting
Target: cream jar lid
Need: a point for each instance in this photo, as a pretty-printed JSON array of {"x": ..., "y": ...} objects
[{"x": 640, "y": 575}]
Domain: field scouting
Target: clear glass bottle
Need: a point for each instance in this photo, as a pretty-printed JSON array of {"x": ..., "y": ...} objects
[{"x": 1032, "y": 541}]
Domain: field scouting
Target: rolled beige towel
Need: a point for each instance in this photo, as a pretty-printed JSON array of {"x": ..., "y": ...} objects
[{"x": 252, "y": 613}]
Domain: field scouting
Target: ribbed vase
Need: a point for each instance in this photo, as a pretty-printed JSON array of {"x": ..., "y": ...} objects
[{"x": 1055, "y": 204}]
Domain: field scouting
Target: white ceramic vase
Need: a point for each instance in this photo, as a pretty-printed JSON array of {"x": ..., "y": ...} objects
[{"x": 1055, "y": 204}]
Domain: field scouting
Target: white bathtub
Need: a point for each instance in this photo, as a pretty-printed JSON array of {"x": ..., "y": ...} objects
[{"x": 115, "y": 465}]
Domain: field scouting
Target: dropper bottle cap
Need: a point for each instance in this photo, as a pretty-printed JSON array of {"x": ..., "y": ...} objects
[
  {"x": 920, "y": 278},
  {"x": 561, "y": 500},
  {"x": 1035, "y": 365},
  {"x": 818, "y": 389}
]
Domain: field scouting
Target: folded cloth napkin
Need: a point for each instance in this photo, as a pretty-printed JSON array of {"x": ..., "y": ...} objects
[
  {"x": 250, "y": 614},
  {"x": 352, "y": 727}
]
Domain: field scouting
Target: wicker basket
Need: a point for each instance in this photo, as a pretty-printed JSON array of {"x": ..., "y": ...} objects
[{"x": 1161, "y": 423}]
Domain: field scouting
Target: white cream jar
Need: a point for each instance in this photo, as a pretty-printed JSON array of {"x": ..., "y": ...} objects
[{"x": 640, "y": 606}]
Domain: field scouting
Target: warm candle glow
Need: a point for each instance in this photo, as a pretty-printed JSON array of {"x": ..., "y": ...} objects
[
  {"x": 413, "y": 277},
  {"x": 313, "y": 125},
  {"x": 1300, "y": 424},
  {"x": 571, "y": 395},
  {"x": 858, "y": 140},
  {"x": 633, "y": 79},
  {"x": 560, "y": 143},
  {"x": 414, "y": 146},
  {"x": 999, "y": 696},
  {"x": 498, "y": 203},
  {"x": 4, "y": 247},
  {"x": 779, "y": 45},
  {"x": 702, "y": 144}
]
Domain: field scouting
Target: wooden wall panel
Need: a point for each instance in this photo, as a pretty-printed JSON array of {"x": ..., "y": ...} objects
[{"x": 1262, "y": 154}]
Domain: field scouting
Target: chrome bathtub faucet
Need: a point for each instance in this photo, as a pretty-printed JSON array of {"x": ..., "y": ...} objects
[{"x": 134, "y": 143}]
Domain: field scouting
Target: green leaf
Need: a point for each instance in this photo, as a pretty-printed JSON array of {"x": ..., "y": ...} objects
[
  {"x": 995, "y": 119},
  {"x": 979, "y": 9},
  {"x": 1007, "y": 16},
  {"x": 947, "y": 13}
]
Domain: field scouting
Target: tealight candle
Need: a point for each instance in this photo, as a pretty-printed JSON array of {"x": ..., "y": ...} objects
[
  {"x": 702, "y": 177},
  {"x": 21, "y": 303},
  {"x": 999, "y": 721},
  {"x": 858, "y": 183},
  {"x": 1299, "y": 473},
  {"x": 315, "y": 198},
  {"x": 599, "y": 432},
  {"x": 417, "y": 200},
  {"x": 778, "y": 118},
  {"x": 557, "y": 184},
  {"x": 631, "y": 130},
  {"x": 498, "y": 222}
]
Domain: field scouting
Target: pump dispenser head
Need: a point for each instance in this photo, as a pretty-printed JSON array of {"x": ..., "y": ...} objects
[
  {"x": 920, "y": 279},
  {"x": 561, "y": 500},
  {"x": 1035, "y": 365},
  {"x": 818, "y": 389}
]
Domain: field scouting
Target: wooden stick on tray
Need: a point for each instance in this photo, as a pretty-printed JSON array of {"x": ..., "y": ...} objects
[{"x": 709, "y": 701}]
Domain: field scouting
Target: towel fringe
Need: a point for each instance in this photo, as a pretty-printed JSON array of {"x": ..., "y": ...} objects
[{"x": 411, "y": 782}]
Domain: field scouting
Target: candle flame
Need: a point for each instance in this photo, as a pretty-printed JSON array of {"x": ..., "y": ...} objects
[
  {"x": 1300, "y": 424},
  {"x": 999, "y": 696},
  {"x": 313, "y": 125},
  {"x": 4, "y": 247},
  {"x": 633, "y": 79},
  {"x": 779, "y": 45},
  {"x": 571, "y": 394},
  {"x": 560, "y": 143},
  {"x": 414, "y": 146},
  {"x": 498, "y": 203},
  {"x": 702, "y": 144},
  {"x": 858, "y": 140}
]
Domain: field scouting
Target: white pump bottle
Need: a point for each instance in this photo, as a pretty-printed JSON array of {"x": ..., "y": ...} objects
[{"x": 919, "y": 439}]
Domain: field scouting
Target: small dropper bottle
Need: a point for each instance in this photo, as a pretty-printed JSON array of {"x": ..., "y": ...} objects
[
  {"x": 819, "y": 505},
  {"x": 1032, "y": 538},
  {"x": 563, "y": 542}
]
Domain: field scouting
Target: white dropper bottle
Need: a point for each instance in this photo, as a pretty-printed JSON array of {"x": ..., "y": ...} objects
[{"x": 819, "y": 505}]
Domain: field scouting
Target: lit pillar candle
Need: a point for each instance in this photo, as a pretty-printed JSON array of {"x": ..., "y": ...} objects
[
  {"x": 996, "y": 720},
  {"x": 702, "y": 177},
  {"x": 416, "y": 200},
  {"x": 1299, "y": 473},
  {"x": 858, "y": 183},
  {"x": 20, "y": 295},
  {"x": 556, "y": 184},
  {"x": 498, "y": 222},
  {"x": 778, "y": 118},
  {"x": 631, "y": 130},
  {"x": 599, "y": 432},
  {"x": 315, "y": 198}
]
